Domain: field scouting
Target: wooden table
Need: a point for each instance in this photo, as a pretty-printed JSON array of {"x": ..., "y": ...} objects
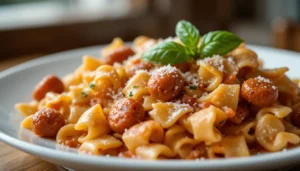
[{"x": 12, "y": 159}]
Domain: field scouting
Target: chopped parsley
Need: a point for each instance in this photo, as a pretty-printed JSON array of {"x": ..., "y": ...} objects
[
  {"x": 192, "y": 87},
  {"x": 130, "y": 94},
  {"x": 92, "y": 86},
  {"x": 135, "y": 86},
  {"x": 84, "y": 94}
]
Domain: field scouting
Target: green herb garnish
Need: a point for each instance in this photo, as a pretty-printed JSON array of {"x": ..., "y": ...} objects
[
  {"x": 130, "y": 94},
  {"x": 189, "y": 35},
  {"x": 213, "y": 43},
  {"x": 192, "y": 87},
  {"x": 92, "y": 86},
  {"x": 219, "y": 42},
  {"x": 167, "y": 53},
  {"x": 84, "y": 94}
]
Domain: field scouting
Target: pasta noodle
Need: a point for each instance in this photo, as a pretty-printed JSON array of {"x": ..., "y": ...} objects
[
  {"x": 204, "y": 124},
  {"x": 154, "y": 151},
  {"x": 27, "y": 108},
  {"x": 128, "y": 103},
  {"x": 68, "y": 135},
  {"x": 168, "y": 113},
  {"x": 278, "y": 110},
  {"x": 224, "y": 95},
  {"x": 270, "y": 133},
  {"x": 229, "y": 147},
  {"x": 136, "y": 87},
  {"x": 93, "y": 122},
  {"x": 179, "y": 141},
  {"x": 245, "y": 129},
  {"x": 27, "y": 122},
  {"x": 100, "y": 145},
  {"x": 142, "y": 133}
]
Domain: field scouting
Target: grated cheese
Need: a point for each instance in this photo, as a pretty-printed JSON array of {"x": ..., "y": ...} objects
[
  {"x": 168, "y": 69},
  {"x": 263, "y": 79}
]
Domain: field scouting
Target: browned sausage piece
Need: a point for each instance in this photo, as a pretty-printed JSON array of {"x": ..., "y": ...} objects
[
  {"x": 165, "y": 83},
  {"x": 242, "y": 112},
  {"x": 50, "y": 83},
  {"x": 124, "y": 114},
  {"x": 138, "y": 64},
  {"x": 259, "y": 91},
  {"x": 188, "y": 100},
  {"x": 183, "y": 67},
  {"x": 118, "y": 55},
  {"x": 47, "y": 122}
]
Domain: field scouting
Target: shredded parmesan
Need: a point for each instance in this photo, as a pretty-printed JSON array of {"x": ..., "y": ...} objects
[
  {"x": 217, "y": 61},
  {"x": 191, "y": 78},
  {"x": 168, "y": 69},
  {"x": 263, "y": 79}
]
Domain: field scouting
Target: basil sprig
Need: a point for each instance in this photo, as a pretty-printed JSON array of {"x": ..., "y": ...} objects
[
  {"x": 213, "y": 43},
  {"x": 188, "y": 34},
  {"x": 219, "y": 42}
]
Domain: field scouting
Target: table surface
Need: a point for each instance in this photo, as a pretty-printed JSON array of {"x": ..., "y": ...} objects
[{"x": 12, "y": 159}]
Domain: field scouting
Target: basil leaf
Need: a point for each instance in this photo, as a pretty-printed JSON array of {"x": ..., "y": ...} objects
[
  {"x": 167, "y": 53},
  {"x": 188, "y": 34},
  {"x": 219, "y": 43}
]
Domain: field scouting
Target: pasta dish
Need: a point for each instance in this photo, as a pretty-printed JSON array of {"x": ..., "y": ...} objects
[{"x": 184, "y": 97}]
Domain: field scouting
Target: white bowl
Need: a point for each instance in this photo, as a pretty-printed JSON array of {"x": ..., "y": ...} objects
[{"x": 17, "y": 84}]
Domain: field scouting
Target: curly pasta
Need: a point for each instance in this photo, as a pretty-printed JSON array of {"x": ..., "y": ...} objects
[{"x": 221, "y": 106}]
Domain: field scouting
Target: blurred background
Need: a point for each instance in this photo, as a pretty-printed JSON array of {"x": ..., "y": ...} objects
[{"x": 32, "y": 28}]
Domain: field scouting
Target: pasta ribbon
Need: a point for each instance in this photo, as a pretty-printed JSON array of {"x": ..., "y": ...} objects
[
  {"x": 107, "y": 75},
  {"x": 225, "y": 65},
  {"x": 90, "y": 63},
  {"x": 148, "y": 101},
  {"x": 291, "y": 128},
  {"x": 27, "y": 108},
  {"x": 203, "y": 124},
  {"x": 72, "y": 80},
  {"x": 100, "y": 145},
  {"x": 288, "y": 90},
  {"x": 143, "y": 43},
  {"x": 136, "y": 87},
  {"x": 224, "y": 96},
  {"x": 93, "y": 122},
  {"x": 62, "y": 104},
  {"x": 116, "y": 43},
  {"x": 68, "y": 133},
  {"x": 122, "y": 73},
  {"x": 274, "y": 74},
  {"x": 245, "y": 58},
  {"x": 142, "y": 133},
  {"x": 209, "y": 76},
  {"x": 270, "y": 133},
  {"x": 79, "y": 94},
  {"x": 88, "y": 77},
  {"x": 180, "y": 141},
  {"x": 184, "y": 121},
  {"x": 230, "y": 146},
  {"x": 75, "y": 113},
  {"x": 278, "y": 110},
  {"x": 246, "y": 129},
  {"x": 27, "y": 122},
  {"x": 50, "y": 96},
  {"x": 154, "y": 151},
  {"x": 168, "y": 113}
]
